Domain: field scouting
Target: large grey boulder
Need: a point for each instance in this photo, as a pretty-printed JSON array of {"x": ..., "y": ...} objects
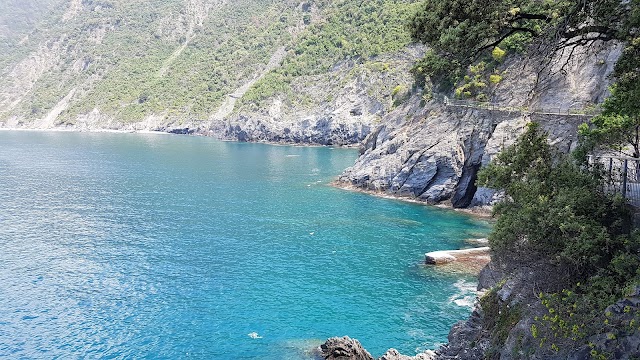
[{"x": 344, "y": 348}]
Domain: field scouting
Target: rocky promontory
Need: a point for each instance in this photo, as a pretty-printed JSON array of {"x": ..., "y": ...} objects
[{"x": 431, "y": 150}]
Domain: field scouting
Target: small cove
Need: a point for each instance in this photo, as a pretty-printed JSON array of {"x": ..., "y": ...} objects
[{"x": 141, "y": 245}]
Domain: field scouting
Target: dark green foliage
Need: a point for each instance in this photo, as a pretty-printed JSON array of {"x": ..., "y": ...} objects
[
  {"x": 576, "y": 313},
  {"x": 464, "y": 31},
  {"x": 437, "y": 68},
  {"x": 356, "y": 31},
  {"x": 557, "y": 212},
  {"x": 555, "y": 209},
  {"x": 461, "y": 31}
]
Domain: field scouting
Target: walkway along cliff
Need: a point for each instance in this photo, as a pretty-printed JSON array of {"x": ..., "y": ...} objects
[{"x": 431, "y": 151}]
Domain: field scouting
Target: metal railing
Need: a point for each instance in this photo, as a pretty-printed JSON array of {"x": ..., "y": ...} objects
[
  {"x": 622, "y": 176},
  {"x": 570, "y": 111}
]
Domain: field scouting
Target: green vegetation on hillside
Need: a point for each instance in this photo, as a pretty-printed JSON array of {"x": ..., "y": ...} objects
[
  {"x": 344, "y": 30},
  {"x": 166, "y": 57},
  {"x": 217, "y": 58},
  {"x": 180, "y": 60},
  {"x": 619, "y": 124},
  {"x": 22, "y": 22}
]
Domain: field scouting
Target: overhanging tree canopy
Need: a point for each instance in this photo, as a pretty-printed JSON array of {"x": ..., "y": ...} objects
[
  {"x": 462, "y": 30},
  {"x": 459, "y": 32}
]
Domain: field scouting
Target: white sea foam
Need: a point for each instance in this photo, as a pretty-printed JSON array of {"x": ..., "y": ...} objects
[
  {"x": 466, "y": 301},
  {"x": 254, "y": 335},
  {"x": 466, "y": 294}
]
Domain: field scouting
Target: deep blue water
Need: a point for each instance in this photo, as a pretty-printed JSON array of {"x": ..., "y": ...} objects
[{"x": 158, "y": 246}]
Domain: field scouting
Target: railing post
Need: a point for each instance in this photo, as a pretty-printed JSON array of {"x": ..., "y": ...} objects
[
  {"x": 634, "y": 180},
  {"x": 610, "y": 169},
  {"x": 624, "y": 179}
]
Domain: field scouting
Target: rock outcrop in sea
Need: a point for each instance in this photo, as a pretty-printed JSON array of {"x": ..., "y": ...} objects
[{"x": 345, "y": 348}]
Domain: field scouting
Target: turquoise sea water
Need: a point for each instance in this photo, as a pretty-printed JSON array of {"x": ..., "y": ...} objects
[{"x": 158, "y": 246}]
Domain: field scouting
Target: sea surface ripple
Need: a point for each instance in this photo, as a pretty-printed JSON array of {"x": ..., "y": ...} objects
[{"x": 143, "y": 245}]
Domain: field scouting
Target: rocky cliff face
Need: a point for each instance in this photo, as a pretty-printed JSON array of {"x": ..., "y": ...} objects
[
  {"x": 432, "y": 151},
  {"x": 340, "y": 107},
  {"x": 500, "y": 325},
  {"x": 252, "y": 70}
]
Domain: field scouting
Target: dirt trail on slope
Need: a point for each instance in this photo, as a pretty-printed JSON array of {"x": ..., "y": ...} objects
[
  {"x": 229, "y": 103},
  {"x": 197, "y": 12}
]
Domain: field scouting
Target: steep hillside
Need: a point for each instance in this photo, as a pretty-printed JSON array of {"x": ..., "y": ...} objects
[
  {"x": 196, "y": 65},
  {"x": 131, "y": 60},
  {"x": 21, "y": 20}
]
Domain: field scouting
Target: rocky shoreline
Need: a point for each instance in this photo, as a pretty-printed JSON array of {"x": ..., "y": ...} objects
[
  {"x": 346, "y": 348},
  {"x": 480, "y": 211},
  {"x": 171, "y": 131},
  {"x": 427, "y": 152}
]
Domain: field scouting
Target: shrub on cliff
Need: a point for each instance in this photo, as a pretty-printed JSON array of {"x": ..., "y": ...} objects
[
  {"x": 557, "y": 212},
  {"x": 555, "y": 209},
  {"x": 461, "y": 33}
]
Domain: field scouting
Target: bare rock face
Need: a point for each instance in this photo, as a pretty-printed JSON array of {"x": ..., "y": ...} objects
[
  {"x": 432, "y": 151},
  {"x": 393, "y": 354},
  {"x": 435, "y": 155},
  {"x": 321, "y": 111},
  {"x": 344, "y": 348}
]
